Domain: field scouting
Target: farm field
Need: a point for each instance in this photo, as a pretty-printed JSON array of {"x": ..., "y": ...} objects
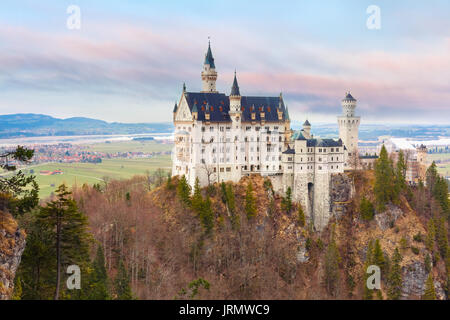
[
  {"x": 90, "y": 173},
  {"x": 130, "y": 146},
  {"x": 444, "y": 166}
]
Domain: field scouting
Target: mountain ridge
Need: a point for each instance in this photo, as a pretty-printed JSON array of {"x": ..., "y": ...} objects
[{"x": 34, "y": 125}]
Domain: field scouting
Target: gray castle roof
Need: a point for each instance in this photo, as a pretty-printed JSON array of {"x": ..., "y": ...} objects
[
  {"x": 289, "y": 150},
  {"x": 209, "y": 57},
  {"x": 218, "y": 106},
  {"x": 324, "y": 143},
  {"x": 306, "y": 123},
  {"x": 175, "y": 108}
]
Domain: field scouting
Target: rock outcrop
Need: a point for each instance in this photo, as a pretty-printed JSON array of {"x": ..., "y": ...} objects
[{"x": 12, "y": 245}]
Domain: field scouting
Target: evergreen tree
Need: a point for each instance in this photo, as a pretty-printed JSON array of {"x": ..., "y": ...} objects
[
  {"x": 99, "y": 278},
  {"x": 431, "y": 234},
  {"x": 37, "y": 267},
  {"x": 378, "y": 256},
  {"x": 286, "y": 202},
  {"x": 384, "y": 188},
  {"x": 395, "y": 277},
  {"x": 300, "y": 216},
  {"x": 230, "y": 198},
  {"x": 184, "y": 191},
  {"x": 207, "y": 216},
  {"x": 70, "y": 235},
  {"x": 250, "y": 202},
  {"x": 17, "y": 295},
  {"x": 223, "y": 188},
  {"x": 332, "y": 260},
  {"x": 197, "y": 199},
  {"x": 441, "y": 236},
  {"x": 366, "y": 208},
  {"x": 400, "y": 172},
  {"x": 430, "y": 292},
  {"x": 122, "y": 283}
]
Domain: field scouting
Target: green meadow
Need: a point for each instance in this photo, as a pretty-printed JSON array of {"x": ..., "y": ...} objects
[{"x": 90, "y": 173}]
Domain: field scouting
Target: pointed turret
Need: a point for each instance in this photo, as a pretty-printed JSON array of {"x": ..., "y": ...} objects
[
  {"x": 209, "y": 74},
  {"x": 235, "y": 87},
  {"x": 209, "y": 59},
  {"x": 286, "y": 114},
  {"x": 175, "y": 108}
]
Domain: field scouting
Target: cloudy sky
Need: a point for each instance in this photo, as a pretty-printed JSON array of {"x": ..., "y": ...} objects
[{"x": 130, "y": 58}]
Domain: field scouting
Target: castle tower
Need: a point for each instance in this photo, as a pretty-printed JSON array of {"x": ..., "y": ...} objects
[
  {"x": 348, "y": 125},
  {"x": 235, "y": 102},
  {"x": 307, "y": 129},
  {"x": 209, "y": 74}
]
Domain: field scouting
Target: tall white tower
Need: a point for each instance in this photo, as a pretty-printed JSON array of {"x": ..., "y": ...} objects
[
  {"x": 209, "y": 74},
  {"x": 349, "y": 125}
]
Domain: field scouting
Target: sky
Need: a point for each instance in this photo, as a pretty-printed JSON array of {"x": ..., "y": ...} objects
[{"x": 129, "y": 59}]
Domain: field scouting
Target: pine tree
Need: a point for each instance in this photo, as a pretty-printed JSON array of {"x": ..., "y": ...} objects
[
  {"x": 431, "y": 234},
  {"x": 230, "y": 198},
  {"x": 441, "y": 237},
  {"x": 378, "y": 256},
  {"x": 286, "y": 202},
  {"x": 184, "y": 191},
  {"x": 366, "y": 208},
  {"x": 250, "y": 202},
  {"x": 430, "y": 292},
  {"x": 400, "y": 173},
  {"x": 70, "y": 235},
  {"x": 197, "y": 199},
  {"x": 332, "y": 260},
  {"x": 300, "y": 216},
  {"x": 99, "y": 278},
  {"x": 17, "y": 295},
  {"x": 384, "y": 188},
  {"x": 207, "y": 216},
  {"x": 395, "y": 277},
  {"x": 122, "y": 283}
]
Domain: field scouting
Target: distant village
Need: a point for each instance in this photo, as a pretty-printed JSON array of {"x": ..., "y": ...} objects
[{"x": 74, "y": 153}]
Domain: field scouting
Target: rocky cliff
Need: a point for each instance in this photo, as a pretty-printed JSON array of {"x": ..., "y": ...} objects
[{"x": 12, "y": 244}]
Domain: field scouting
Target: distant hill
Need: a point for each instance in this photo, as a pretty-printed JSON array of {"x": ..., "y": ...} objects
[{"x": 33, "y": 125}]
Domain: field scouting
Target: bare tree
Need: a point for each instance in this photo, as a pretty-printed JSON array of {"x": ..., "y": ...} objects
[{"x": 210, "y": 173}]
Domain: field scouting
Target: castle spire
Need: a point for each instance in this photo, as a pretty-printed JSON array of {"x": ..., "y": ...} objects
[
  {"x": 235, "y": 87},
  {"x": 209, "y": 57}
]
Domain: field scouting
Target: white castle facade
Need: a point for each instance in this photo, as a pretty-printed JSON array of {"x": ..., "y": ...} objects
[{"x": 223, "y": 138}]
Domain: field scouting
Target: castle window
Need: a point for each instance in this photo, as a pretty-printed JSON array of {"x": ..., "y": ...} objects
[
  {"x": 331, "y": 167},
  {"x": 222, "y": 129},
  {"x": 289, "y": 158},
  {"x": 228, "y": 129},
  {"x": 248, "y": 128},
  {"x": 228, "y": 169},
  {"x": 337, "y": 149},
  {"x": 215, "y": 169},
  {"x": 203, "y": 160},
  {"x": 320, "y": 168},
  {"x": 211, "y": 129},
  {"x": 256, "y": 128},
  {"x": 203, "y": 129},
  {"x": 221, "y": 169},
  {"x": 332, "y": 149}
]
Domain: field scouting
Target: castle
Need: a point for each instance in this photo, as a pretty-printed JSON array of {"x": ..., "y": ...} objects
[{"x": 223, "y": 138}]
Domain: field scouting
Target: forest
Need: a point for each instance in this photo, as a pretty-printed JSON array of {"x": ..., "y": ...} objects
[{"x": 152, "y": 237}]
